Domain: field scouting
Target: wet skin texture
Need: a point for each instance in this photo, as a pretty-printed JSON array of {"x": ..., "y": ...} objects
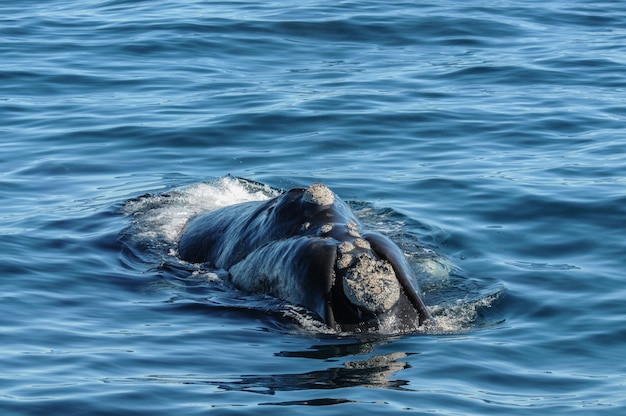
[{"x": 306, "y": 246}]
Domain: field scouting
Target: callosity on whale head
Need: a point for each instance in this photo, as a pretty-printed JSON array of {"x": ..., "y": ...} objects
[{"x": 306, "y": 246}]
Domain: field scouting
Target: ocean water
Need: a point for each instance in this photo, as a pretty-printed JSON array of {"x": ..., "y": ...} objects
[{"x": 488, "y": 140}]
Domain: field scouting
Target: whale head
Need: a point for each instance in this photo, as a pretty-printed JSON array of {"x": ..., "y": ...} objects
[
  {"x": 370, "y": 283},
  {"x": 306, "y": 247}
]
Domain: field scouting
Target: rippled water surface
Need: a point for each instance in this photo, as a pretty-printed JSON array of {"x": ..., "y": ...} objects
[{"x": 486, "y": 138}]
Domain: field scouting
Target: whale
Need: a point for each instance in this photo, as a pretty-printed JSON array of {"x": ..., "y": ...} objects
[{"x": 306, "y": 247}]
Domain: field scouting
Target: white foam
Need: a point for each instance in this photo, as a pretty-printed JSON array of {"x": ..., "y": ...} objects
[
  {"x": 160, "y": 218},
  {"x": 460, "y": 316}
]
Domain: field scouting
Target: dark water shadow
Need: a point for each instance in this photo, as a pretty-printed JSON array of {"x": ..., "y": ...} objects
[{"x": 374, "y": 371}]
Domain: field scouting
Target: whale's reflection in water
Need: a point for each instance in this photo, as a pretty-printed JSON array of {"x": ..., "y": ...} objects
[{"x": 374, "y": 371}]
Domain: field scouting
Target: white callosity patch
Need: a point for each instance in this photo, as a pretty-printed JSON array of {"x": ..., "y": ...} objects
[
  {"x": 353, "y": 229},
  {"x": 326, "y": 228},
  {"x": 361, "y": 243},
  {"x": 344, "y": 254},
  {"x": 371, "y": 284},
  {"x": 318, "y": 194}
]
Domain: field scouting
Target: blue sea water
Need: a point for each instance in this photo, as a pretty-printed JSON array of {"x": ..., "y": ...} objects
[{"x": 489, "y": 134}]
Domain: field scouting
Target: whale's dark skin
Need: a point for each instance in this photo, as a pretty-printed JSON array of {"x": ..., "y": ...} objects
[{"x": 305, "y": 246}]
